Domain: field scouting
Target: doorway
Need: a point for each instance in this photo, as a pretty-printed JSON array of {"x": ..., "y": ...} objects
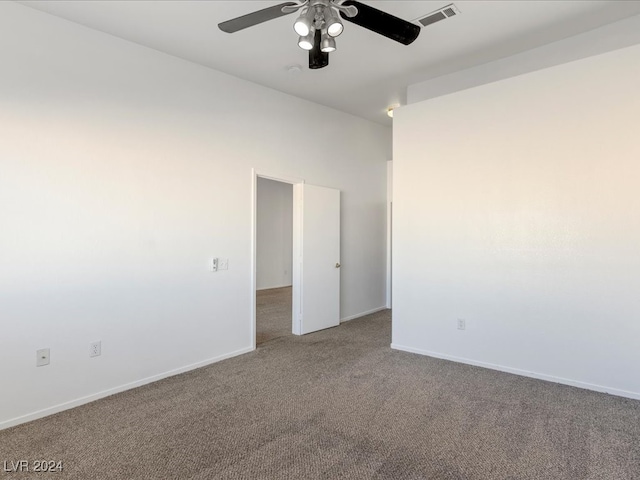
[
  {"x": 315, "y": 265},
  {"x": 274, "y": 259}
]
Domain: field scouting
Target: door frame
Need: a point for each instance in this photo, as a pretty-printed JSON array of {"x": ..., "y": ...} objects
[
  {"x": 296, "y": 284},
  {"x": 389, "y": 285}
]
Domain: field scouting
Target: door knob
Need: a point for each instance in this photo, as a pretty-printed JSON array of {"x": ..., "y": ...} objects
[{"x": 337, "y": 265}]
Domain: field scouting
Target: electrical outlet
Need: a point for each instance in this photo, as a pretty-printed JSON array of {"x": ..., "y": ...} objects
[
  {"x": 43, "y": 357},
  {"x": 462, "y": 324},
  {"x": 214, "y": 265},
  {"x": 223, "y": 264},
  {"x": 95, "y": 349}
]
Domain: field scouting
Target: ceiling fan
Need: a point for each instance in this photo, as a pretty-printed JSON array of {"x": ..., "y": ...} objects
[{"x": 319, "y": 23}]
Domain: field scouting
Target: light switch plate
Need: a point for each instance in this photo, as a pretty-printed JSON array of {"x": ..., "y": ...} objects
[
  {"x": 43, "y": 357},
  {"x": 223, "y": 264}
]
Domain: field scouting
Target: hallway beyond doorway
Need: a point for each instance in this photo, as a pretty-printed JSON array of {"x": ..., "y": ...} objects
[{"x": 273, "y": 314}]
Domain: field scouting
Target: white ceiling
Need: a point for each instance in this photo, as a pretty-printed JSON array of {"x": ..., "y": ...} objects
[{"x": 368, "y": 72}]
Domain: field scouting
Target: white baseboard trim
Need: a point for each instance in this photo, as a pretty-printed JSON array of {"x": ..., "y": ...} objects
[
  {"x": 105, "y": 393},
  {"x": 272, "y": 288},
  {"x": 363, "y": 314},
  {"x": 525, "y": 373}
]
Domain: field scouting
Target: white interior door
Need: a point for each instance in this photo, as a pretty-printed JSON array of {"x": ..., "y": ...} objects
[{"x": 317, "y": 255}]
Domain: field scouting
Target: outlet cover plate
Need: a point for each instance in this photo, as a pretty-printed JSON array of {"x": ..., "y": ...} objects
[{"x": 95, "y": 349}]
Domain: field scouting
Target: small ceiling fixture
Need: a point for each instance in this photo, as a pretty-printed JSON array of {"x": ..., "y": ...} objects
[
  {"x": 294, "y": 70},
  {"x": 319, "y": 23},
  {"x": 391, "y": 108}
]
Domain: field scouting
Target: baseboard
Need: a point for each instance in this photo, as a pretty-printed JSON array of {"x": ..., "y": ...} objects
[
  {"x": 128, "y": 386},
  {"x": 272, "y": 288},
  {"x": 363, "y": 314},
  {"x": 524, "y": 373}
]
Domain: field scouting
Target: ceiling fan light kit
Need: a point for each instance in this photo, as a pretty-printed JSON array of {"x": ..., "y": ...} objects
[
  {"x": 318, "y": 15},
  {"x": 306, "y": 42},
  {"x": 305, "y": 22},
  {"x": 319, "y": 23},
  {"x": 332, "y": 22},
  {"x": 328, "y": 43}
]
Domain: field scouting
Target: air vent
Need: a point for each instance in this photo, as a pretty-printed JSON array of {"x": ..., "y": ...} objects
[{"x": 440, "y": 14}]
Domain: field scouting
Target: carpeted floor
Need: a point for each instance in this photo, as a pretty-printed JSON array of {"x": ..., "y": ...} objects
[
  {"x": 339, "y": 404},
  {"x": 273, "y": 314}
]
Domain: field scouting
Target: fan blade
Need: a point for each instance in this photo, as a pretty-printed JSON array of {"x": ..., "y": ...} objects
[
  {"x": 317, "y": 58},
  {"x": 382, "y": 23},
  {"x": 318, "y": 61},
  {"x": 251, "y": 19}
]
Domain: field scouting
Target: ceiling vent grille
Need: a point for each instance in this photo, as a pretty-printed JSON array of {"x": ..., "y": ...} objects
[{"x": 440, "y": 14}]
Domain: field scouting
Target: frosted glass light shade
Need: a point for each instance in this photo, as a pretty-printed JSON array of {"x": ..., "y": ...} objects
[
  {"x": 332, "y": 23},
  {"x": 304, "y": 23},
  {"x": 328, "y": 44},
  {"x": 306, "y": 42}
]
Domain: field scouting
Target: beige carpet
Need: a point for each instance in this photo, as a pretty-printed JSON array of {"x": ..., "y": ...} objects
[
  {"x": 339, "y": 404},
  {"x": 273, "y": 314}
]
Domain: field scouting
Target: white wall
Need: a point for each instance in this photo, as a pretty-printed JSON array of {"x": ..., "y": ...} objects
[
  {"x": 274, "y": 234},
  {"x": 516, "y": 208},
  {"x": 123, "y": 171},
  {"x": 616, "y": 35}
]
